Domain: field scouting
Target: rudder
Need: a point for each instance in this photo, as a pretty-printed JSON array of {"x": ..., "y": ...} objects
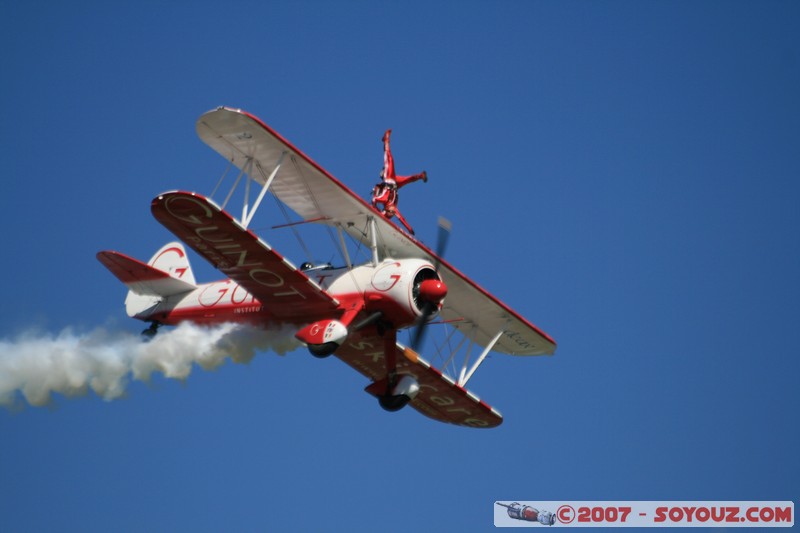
[{"x": 172, "y": 259}]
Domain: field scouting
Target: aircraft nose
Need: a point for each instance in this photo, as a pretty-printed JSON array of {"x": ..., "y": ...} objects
[{"x": 433, "y": 291}]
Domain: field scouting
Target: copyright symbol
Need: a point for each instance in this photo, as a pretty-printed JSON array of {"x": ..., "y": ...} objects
[{"x": 565, "y": 514}]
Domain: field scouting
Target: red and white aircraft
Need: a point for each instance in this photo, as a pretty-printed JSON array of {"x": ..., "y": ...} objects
[{"x": 353, "y": 312}]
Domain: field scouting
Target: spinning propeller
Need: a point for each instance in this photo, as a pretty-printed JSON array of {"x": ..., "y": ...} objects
[{"x": 429, "y": 290}]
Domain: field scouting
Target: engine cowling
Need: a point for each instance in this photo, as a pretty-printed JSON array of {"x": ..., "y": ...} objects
[
  {"x": 403, "y": 290},
  {"x": 323, "y": 337}
]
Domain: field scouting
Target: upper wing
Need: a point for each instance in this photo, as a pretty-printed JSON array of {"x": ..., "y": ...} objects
[
  {"x": 439, "y": 397},
  {"x": 242, "y": 256},
  {"x": 315, "y": 195},
  {"x": 480, "y": 317},
  {"x": 300, "y": 183}
]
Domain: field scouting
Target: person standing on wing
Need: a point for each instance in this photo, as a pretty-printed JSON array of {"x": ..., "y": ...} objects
[{"x": 385, "y": 192}]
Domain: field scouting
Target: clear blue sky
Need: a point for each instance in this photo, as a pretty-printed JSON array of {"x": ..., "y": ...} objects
[{"x": 624, "y": 174}]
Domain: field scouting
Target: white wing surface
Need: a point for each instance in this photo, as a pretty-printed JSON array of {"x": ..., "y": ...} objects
[{"x": 315, "y": 195}]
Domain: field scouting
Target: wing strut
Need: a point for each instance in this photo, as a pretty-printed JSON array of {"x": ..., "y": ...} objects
[
  {"x": 245, "y": 167},
  {"x": 249, "y": 212},
  {"x": 463, "y": 381},
  {"x": 467, "y": 354},
  {"x": 373, "y": 233},
  {"x": 344, "y": 246},
  {"x": 247, "y": 217}
]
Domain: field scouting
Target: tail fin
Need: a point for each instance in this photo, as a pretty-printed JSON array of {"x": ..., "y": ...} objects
[
  {"x": 172, "y": 259},
  {"x": 167, "y": 274}
]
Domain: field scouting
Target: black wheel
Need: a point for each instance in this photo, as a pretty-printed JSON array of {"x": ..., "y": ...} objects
[
  {"x": 322, "y": 350},
  {"x": 150, "y": 332},
  {"x": 393, "y": 403}
]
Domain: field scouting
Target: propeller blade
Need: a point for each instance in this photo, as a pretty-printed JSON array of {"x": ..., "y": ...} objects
[
  {"x": 445, "y": 227},
  {"x": 422, "y": 325},
  {"x": 429, "y": 308}
]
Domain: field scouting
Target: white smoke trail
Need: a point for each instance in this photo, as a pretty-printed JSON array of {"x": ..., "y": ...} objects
[{"x": 38, "y": 365}]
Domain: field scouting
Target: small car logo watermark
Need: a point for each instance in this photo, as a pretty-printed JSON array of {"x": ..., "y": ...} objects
[{"x": 518, "y": 511}]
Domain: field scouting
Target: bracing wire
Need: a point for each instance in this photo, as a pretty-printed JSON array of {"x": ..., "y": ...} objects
[
  {"x": 328, "y": 228},
  {"x": 296, "y": 233},
  {"x": 222, "y": 178},
  {"x": 440, "y": 348}
]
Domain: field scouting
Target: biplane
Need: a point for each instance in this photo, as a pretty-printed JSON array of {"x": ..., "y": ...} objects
[{"x": 353, "y": 311}]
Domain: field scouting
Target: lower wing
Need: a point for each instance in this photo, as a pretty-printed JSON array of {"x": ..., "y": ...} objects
[
  {"x": 439, "y": 397},
  {"x": 242, "y": 256}
]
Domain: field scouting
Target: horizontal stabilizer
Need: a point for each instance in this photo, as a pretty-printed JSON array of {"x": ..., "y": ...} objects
[{"x": 141, "y": 278}]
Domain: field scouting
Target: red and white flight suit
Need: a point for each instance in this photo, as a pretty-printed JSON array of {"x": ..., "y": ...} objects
[{"x": 385, "y": 192}]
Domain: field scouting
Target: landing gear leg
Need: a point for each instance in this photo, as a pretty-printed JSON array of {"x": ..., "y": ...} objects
[
  {"x": 400, "y": 389},
  {"x": 150, "y": 332}
]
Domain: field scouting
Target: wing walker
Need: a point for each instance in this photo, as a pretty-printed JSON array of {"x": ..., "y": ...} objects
[{"x": 353, "y": 311}]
